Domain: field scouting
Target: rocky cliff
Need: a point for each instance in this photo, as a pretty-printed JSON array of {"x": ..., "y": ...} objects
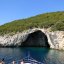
[{"x": 35, "y": 37}]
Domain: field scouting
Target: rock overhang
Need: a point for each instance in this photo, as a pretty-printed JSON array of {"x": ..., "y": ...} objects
[{"x": 55, "y": 39}]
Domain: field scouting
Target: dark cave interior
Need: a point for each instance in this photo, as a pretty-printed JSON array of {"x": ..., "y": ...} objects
[{"x": 36, "y": 39}]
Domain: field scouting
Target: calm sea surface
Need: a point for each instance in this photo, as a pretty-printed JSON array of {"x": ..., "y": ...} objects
[{"x": 47, "y": 56}]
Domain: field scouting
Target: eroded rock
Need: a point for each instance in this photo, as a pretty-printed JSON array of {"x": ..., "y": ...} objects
[{"x": 35, "y": 37}]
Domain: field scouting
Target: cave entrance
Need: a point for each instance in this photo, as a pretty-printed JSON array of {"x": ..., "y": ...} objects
[{"x": 36, "y": 39}]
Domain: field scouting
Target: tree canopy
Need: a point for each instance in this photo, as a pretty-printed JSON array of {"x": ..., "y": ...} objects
[{"x": 55, "y": 20}]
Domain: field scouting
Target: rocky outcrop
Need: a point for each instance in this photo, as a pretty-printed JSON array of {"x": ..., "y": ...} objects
[{"x": 35, "y": 37}]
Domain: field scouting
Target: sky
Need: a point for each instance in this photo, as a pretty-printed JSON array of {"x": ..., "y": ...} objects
[{"x": 19, "y": 9}]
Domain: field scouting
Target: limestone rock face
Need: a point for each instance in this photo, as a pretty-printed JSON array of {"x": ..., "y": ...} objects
[
  {"x": 35, "y": 37},
  {"x": 57, "y": 39}
]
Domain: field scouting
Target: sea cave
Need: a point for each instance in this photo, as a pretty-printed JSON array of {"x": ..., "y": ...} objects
[{"x": 36, "y": 39}]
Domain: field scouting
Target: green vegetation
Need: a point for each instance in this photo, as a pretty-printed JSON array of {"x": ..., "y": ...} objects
[{"x": 55, "y": 20}]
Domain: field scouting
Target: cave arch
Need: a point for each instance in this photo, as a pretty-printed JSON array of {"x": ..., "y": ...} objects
[{"x": 36, "y": 39}]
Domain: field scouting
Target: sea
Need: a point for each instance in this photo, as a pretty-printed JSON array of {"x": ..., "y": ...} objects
[{"x": 44, "y": 55}]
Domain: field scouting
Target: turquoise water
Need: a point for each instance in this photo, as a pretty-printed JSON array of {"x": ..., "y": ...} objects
[{"x": 45, "y": 55}]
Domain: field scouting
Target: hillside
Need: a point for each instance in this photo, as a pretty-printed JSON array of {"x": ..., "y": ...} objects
[{"x": 55, "y": 20}]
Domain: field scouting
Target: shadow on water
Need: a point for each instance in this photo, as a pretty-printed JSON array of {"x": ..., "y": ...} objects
[
  {"x": 45, "y": 55},
  {"x": 10, "y": 54},
  {"x": 37, "y": 53}
]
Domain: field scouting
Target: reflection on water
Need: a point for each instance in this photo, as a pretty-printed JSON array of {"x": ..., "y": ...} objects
[{"x": 47, "y": 56}]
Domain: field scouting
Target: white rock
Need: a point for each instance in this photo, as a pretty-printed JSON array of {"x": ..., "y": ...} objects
[{"x": 55, "y": 39}]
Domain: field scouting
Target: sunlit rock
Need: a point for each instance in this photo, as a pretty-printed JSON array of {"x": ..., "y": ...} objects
[{"x": 35, "y": 37}]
